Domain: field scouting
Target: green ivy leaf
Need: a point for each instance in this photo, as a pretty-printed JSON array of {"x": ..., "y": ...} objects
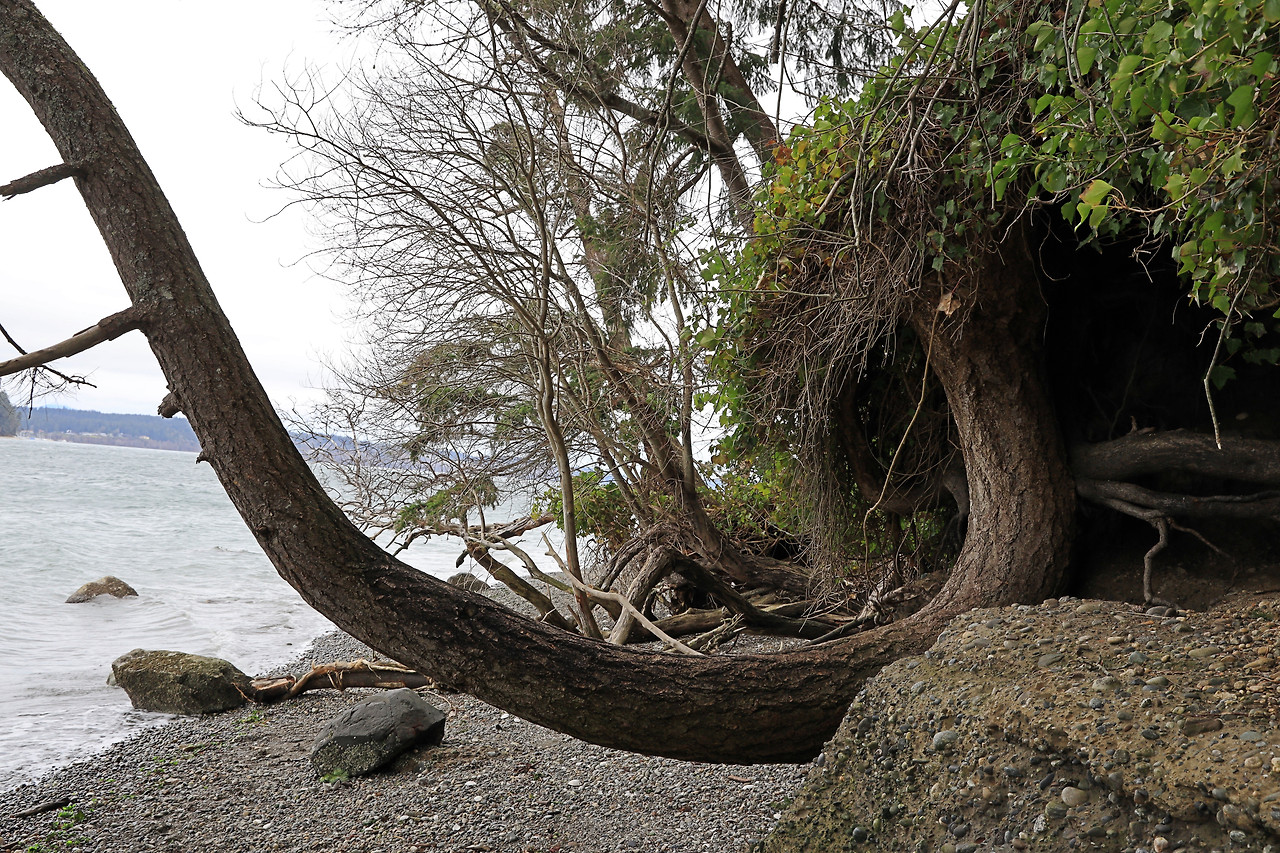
[
  {"x": 1085, "y": 57},
  {"x": 1242, "y": 100}
]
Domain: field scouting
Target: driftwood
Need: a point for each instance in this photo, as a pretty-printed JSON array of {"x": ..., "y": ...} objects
[
  {"x": 339, "y": 675},
  {"x": 44, "y": 807}
]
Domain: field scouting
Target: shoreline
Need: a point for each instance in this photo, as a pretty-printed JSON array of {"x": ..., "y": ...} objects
[{"x": 241, "y": 780}]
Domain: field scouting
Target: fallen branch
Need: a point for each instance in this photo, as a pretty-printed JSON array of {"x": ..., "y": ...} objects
[
  {"x": 600, "y": 596},
  {"x": 42, "y": 178},
  {"x": 340, "y": 675},
  {"x": 107, "y": 329},
  {"x": 530, "y": 593},
  {"x": 760, "y": 621}
]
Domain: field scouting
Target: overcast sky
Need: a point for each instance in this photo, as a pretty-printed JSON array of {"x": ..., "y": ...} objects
[{"x": 175, "y": 69}]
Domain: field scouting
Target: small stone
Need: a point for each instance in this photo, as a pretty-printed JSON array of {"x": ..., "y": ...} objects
[
  {"x": 1114, "y": 641},
  {"x": 943, "y": 741},
  {"x": 1055, "y": 810},
  {"x": 1158, "y": 681},
  {"x": 1160, "y": 610},
  {"x": 1105, "y": 684},
  {"x": 1089, "y": 607},
  {"x": 1074, "y": 797},
  {"x": 1200, "y": 725},
  {"x": 1250, "y": 737},
  {"x": 859, "y": 834},
  {"x": 1204, "y": 652},
  {"x": 1237, "y": 837},
  {"x": 1160, "y": 844},
  {"x": 1137, "y": 658},
  {"x": 1050, "y": 659},
  {"x": 1151, "y": 734}
]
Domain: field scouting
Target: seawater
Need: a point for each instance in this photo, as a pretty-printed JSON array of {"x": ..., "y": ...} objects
[{"x": 71, "y": 513}]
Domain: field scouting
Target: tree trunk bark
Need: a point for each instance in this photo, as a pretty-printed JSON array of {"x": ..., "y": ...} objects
[
  {"x": 1021, "y": 493},
  {"x": 746, "y": 709}
]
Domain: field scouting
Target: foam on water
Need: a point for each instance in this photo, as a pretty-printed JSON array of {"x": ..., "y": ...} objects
[{"x": 71, "y": 513}]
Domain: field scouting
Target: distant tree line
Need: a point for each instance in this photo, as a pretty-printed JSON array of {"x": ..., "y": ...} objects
[{"x": 172, "y": 434}]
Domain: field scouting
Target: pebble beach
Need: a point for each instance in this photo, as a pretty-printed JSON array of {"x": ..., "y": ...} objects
[{"x": 242, "y": 781}]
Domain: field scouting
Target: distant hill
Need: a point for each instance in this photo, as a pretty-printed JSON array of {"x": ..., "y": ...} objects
[{"x": 91, "y": 427}]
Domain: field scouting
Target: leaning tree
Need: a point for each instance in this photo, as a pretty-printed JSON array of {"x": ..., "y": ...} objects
[{"x": 929, "y": 257}]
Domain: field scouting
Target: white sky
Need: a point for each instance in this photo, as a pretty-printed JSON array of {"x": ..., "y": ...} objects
[{"x": 175, "y": 69}]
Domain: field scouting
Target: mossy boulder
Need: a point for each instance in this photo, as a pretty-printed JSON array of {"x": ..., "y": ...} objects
[
  {"x": 108, "y": 585},
  {"x": 179, "y": 683}
]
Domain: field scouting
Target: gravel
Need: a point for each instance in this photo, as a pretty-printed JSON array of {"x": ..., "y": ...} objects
[{"x": 241, "y": 781}]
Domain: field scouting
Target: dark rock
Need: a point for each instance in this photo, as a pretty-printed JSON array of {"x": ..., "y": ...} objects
[
  {"x": 371, "y": 733},
  {"x": 469, "y": 582},
  {"x": 109, "y": 585},
  {"x": 179, "y": 683}
]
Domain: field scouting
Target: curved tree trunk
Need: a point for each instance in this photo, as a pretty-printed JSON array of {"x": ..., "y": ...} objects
[
  {"x": 1021, "y": 492},
  {"x": 739, "y": 709}
]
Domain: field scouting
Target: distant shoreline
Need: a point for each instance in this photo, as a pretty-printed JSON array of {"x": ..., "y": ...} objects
[{"x": 107, "y": 441}]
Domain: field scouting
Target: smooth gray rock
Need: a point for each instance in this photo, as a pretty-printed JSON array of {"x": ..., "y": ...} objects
[
  {"x": 372, "y": 733},
  {"x": 179, "y": 683},
  {"x": 109, "y": 585},
  {"x": 469, "y": 582}
]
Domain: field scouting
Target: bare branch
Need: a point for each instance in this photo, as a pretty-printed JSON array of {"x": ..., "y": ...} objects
[
  {"x": 107, "y": 329},
  {"x": 42, "y": 178}
]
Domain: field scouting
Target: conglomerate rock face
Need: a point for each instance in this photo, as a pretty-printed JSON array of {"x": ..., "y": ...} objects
[{"x": 1073, "y": 725}]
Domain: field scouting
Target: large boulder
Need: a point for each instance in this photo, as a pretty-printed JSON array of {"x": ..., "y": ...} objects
[
  {"x": 109, "y": 585},
  {"x": 373, "y": 732},
  {"x": 469, "y": 582},
  {"x": 179, "y": 683},
  {"x": 1074, "y": 725}
]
